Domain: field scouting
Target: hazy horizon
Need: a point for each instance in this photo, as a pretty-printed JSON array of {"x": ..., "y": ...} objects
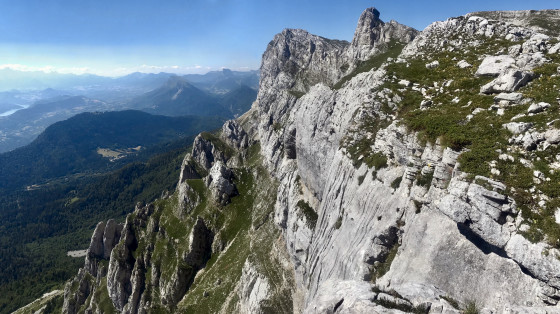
[
  {"x": 52, "y": 70},
  {"x": 116, "y": 38}
]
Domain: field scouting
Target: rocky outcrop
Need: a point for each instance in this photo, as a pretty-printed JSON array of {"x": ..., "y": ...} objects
[
  {"x": 205, "y": 152},
  {"x": 125, "y": 280},
  {"x": 187, "y": 198},
  {"x": 76, "y": 292},
  {"x": 296, "y": 60},
  {"x": 121, "y": 265},
  {"x": 104, "y": 238},
  {"x": 188, "y": 168},
  {"x": 254, "y": 289},
  {"x": 220, "y": 183},
  {"x": 536, "y": 20},
  {"x": 509, "y": 81},
  {"x": 552, "y": 136},
  {"x": 235, "y": 135},
  {"x": 440, "y": 34},
  {"x": 480, "y": 211},
  {"x": 189, "y": 264},
  {"x": 463, "y": 226},
  {"x": 369, "y": 215},
  {"x": 372, "y": 35},
  {"x": 517, "y": 127}
]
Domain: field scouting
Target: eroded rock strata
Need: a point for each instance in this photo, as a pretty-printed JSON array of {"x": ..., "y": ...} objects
[{"x": 404, "y": 171}]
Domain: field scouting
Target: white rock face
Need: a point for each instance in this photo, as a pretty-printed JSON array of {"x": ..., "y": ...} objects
[
  {"x": 511, "y": 97},
  {"x": 372, "y": 33},
  {"x": 518, "y": 127},
  {"x": 528, "y": 140},
  {"x": 508, "y": 81},
  {"x": 543, "y": 266},
  {"x": 254, "y": 289},
  {"x": 554, "y": 49},
  {"x": 495, "y": 65},
  {"x": 451, "y": 238},
  {"x": 405, "y": 83},
  {"x": 432, "y": 65},
  {"x": 219, "y": 182},
  {"x": 539, "y": 107},
  {"x": 463, "y": 64},
  {"x": 449, "y": 254},
  {"x": 552, "y": 136},
  {"x": 234, "y": 134},
  {"x": 343, "y": 297}
]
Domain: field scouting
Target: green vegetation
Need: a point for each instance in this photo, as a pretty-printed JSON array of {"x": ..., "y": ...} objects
[
  {"x": 376, "y": 160},
  {"x": 421, "y": 309},
  {"x": 309, "y": 213},
  {"x": 424, "y": 179},
  {"x": 69, "y": 148},
  {"x": 101, "y": 297},
  {"x": 359, "y": 142},
  {"x": 418, "y": 206},
  {"x": 40, "y": 226},
  {"x": 299, "y": 184},
  {"x": 471, "y": 308},
  {"x": 361, "y": 179},
  {"x": 296, "y": 94},
  {"x": 233, "y": 221},
  {"x": 243, "y": 229},
  {"x": 451, "y": 301},
  {"x": 480, "y": 136},
  {"x": 277, "y": 126},
  {"x": 360, "y": 152},
  {"x": 338, "y": 223},
  {"x": 446, "y": 119},
  {"x": 218, "y": 143},
  {"x": 246, "y": 214},
  {"x": 396, "y": 183},
  {"x": 383, "y": 268},
  {"x": 394, "y": 48},
  {"x": 545, "y": 86}
]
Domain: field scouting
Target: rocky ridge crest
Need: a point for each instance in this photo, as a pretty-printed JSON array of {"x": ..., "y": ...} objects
[{"x": 416, "y": 185}]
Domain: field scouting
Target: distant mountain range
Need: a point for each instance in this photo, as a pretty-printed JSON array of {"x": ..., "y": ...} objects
[
  {"x": 179, "y": 97},
  {"x": 80, "y": 165},
  {"x": 89, "y": 84},
  {"x": 24, "y": 125},
  {"x": 93, "y": 142},
  {"x": 224, "y": 81},
  {"x": 25, "y": 114}
]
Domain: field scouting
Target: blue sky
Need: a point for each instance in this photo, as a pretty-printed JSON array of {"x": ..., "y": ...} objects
[{"x": 191, "y": 36}]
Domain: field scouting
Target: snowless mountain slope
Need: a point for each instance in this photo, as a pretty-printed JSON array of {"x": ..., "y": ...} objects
[{"x": 405, "y": 171}]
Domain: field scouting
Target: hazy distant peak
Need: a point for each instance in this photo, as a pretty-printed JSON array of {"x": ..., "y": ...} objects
[{"x": 178, "y": 81}]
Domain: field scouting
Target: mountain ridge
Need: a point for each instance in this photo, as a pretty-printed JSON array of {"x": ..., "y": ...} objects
[
  {"x": 180, "y": 97},
  {"x": 69, "y": 147},
  {"x": 35, "y": 110},
  {"x": 408, "y": 186}
]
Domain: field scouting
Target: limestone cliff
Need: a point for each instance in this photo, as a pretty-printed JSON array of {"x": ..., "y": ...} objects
[{"x": 405, "y": 171}]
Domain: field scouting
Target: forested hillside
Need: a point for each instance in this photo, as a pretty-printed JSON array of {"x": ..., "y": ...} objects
[
  {"x": 93, "y": 142},
  {"x": 40, "y": 226}
]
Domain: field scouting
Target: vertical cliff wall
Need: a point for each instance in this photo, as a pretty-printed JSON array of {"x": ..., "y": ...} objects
[{"x": 404, "y": 171}]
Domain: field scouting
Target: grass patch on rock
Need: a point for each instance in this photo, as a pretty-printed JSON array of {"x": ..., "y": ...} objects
[
  {"x": 394, "y": 48},
  {"x": 309, "y": 213}
]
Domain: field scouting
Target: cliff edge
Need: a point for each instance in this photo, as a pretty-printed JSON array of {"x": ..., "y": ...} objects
[{"x": 405, "y": 171}]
